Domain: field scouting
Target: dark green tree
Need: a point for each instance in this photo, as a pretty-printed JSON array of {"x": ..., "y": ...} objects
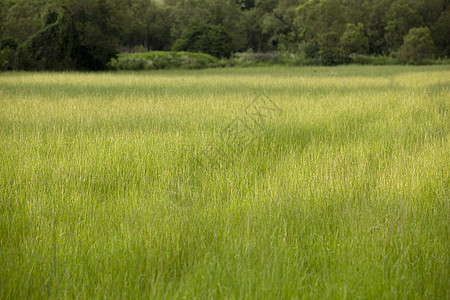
[
  {"x": 8, "y": 49},
  {"x": 374, "y": 20},
  {"x": 21, "y": 20},
  {"x": 417, "y": 46},
  {"x": 278, "y": 26},
  {"x": 81, "y": 35},
  {"x": 85, "y": 34},
  {"x": 245, "y": 4},
  {"x": 214, "y": 12},
  {"x": 3, "y": 13},
  {"x": 429, "y": 10},
  {"x": 401, "y": 16},
  {"x": 150, "y": 25},
  {"x": 266, "y": 6},
  {"x": 321, "y": 24},
  {"x": 252, "y": 23},
  {"x": 441, "y": 34},
  {"x": 210, "y": 39},
  {"x": 354, "y": 40}
]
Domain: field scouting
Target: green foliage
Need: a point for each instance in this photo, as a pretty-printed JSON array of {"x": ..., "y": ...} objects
[
  {"x": 45, "y": 49},
  {"x": 321, "y": 24},
  {"x": 255, "y": 38},
  {"x": 149, "y": 26},
  {"x": 9, "y": 42},
  {"x": 86, "y": 34},
  {"x": 266, "y": 5},
  {"x": 252, "y": 59},
  {"x": 401, "y": 16},
  {"x": 6, "y": 58},
  {"x": 373, "y": 15},
  {"x": 131, "y": 63},
  {"x": 441, "y": 34},
  {"x": 156, "y": 60},
  {"x": 3, "y": 12},
  {"x": 224, "y": 13},
  {"x": 203, "y": 38},
  {"x": 376, "y": 60},
  {"x": 417, "y": 46},
  {"x": 245, "y": 4},
  {"x": 278, "y": 26},
  {"x": 247, "y": 59},
  {"x": 354, "y": 40},
  {"x": 21, "y": 21},
  {"x": 82, "y": 35}
]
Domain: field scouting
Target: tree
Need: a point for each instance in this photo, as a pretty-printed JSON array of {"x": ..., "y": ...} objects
[
  {"x": 254, "y": 36},
  {"x": 85, "y": 34},
  {"x": 278, "y": 25},
  {"x": 441, "y": 34},
  {"x": 374, "y": 20},
  {"x": 214, "y": 12},
  {"x": 417, "y": 46},
  {"x": 321, "y": 24},
  {"x": 266, "y": 6},
  {"x": 81, "y": 35},
  {"x": 210, "y": 39},
  {"x": 429, "y": 10},
  {"x": 354, "y": 40},
  {"x": 7, "y": 53},
  {"x": 3, "y": 13},
  {"x": 401, "y": 16},
  {"x": 22, "y": 21},
  {"x": 245, "y": 4},
  {"x": 150, "y": 25}
]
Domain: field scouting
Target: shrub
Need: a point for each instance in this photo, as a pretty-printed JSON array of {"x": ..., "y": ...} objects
[
  {"x": 131, "y": 63},
  {"x": 377, "y": 60},
  {"x": 156, "y": 60},
  {"x": 247, "y": 59}
]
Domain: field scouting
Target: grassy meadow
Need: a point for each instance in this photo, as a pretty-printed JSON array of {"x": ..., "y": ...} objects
[{"x": 249, "y": 183}]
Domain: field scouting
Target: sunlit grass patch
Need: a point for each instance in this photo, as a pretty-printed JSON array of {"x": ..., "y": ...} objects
[{"x": 169, "y": 184}]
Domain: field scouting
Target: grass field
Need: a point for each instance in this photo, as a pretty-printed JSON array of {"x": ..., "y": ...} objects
[{"x": 226, "y": 183}]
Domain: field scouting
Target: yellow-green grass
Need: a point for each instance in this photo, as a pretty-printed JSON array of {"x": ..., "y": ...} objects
[{"x": 131, "y": 185}]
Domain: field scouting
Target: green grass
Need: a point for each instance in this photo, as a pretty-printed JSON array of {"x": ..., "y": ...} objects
[{"x": 133, "y": 185}]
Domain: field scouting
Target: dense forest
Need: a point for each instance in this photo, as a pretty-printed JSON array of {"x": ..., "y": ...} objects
[{"x": 86, "y": 34}]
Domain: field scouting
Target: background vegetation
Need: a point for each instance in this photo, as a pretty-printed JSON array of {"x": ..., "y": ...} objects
[
  {"x": 138, "y": 185},
  {"x": 156, "y": 60},
  {"x": 86, "y": 34}
]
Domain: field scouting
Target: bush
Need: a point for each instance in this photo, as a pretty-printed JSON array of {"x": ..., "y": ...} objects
[
  {"x": 247, "y": 59},
  {"x": 417, "y": 46},
  {"x": 377, "y": 60},
  {"x": 131, "y": 63},
  {"x": 156, "y": 60}
]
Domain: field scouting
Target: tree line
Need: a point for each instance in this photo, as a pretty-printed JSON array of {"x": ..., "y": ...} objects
[{"x": 86, "y": 34}]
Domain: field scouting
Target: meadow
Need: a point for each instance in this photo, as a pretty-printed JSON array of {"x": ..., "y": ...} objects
[{"x": 249, "y": 183}]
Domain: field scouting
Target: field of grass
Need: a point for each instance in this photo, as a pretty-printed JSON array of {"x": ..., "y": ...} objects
[{"x": 253, "y": 183}]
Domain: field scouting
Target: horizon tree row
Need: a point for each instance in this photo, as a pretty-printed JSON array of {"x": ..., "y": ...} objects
[{"x": 86, "y": 34}]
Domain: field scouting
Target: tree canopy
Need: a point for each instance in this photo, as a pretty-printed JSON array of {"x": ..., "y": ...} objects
[{"x": 86, "y": 34}]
